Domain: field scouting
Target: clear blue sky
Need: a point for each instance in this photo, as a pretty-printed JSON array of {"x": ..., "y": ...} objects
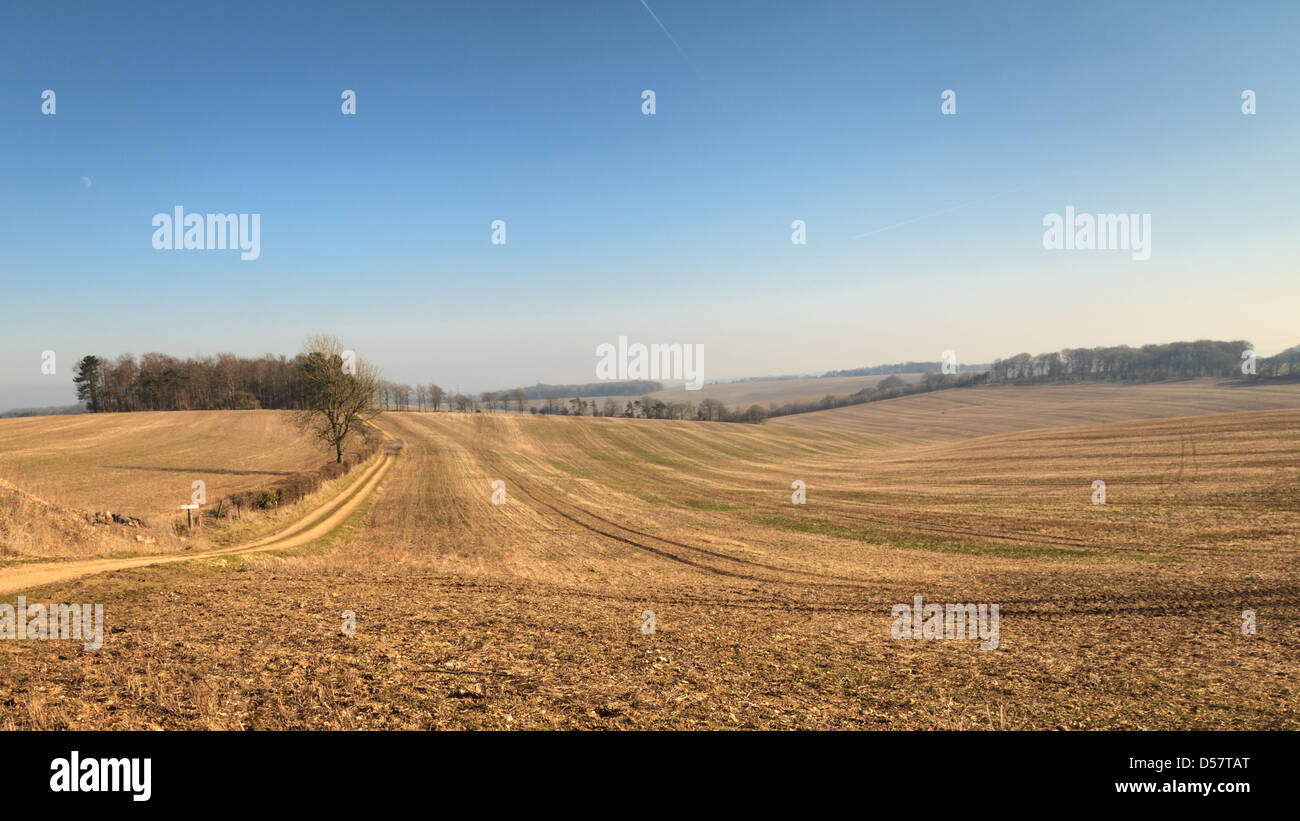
[{"x": 666, "y": 228}]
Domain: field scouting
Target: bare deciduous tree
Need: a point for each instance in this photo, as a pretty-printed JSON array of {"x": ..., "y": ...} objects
[{"x": 337, "y": 403}]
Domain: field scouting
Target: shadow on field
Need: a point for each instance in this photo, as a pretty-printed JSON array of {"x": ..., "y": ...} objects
[{"x": 223, "y": 471}]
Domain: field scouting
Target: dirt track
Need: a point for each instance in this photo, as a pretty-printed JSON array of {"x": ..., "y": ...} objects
[{"x": 314, "y": 525}]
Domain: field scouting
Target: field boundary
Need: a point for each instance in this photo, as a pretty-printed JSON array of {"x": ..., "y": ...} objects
[{"x": 315, "y": 524}]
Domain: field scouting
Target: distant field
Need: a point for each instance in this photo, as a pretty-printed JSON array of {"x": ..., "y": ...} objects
[
  {"x": 780, "y": 391},
  {"x": 965, "y": 412},
  {"x": 529, "y": 614},
  {"x": 144, "y": 464},
  {"x": 740, "y": 395}
]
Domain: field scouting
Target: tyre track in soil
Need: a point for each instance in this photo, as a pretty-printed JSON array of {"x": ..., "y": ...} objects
[
  {"x": 1179, "y": 603},
  {"x": 553, "y": 503}
]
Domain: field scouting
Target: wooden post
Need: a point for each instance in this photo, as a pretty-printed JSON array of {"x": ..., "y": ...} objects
[{"x": 189, "y": 514}]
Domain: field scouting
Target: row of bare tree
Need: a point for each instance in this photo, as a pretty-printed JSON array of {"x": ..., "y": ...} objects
[
  {"x": 157, "y": 381},
  {"x": 395, "y": 396},
  {"x": 1174, "y": 360}
]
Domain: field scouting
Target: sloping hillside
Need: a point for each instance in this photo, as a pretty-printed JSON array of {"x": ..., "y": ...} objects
[
  {"x": 962, "y": 413},
  {"x": 145, "y": 464}
]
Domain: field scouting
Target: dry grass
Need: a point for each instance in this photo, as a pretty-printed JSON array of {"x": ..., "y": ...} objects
[
  {"x": 31, "y": 527},
  {"x": 144, "y": 464},
  {"x": 770, "y": 615}
]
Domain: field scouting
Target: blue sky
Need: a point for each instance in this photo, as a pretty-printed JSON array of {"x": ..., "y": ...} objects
[{"x": 666, "y": 228}]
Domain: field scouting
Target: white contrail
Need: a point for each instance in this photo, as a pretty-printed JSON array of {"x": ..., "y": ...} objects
[
  {"x": 669, "y": 34},
  {"x": 937, "y": 213}
]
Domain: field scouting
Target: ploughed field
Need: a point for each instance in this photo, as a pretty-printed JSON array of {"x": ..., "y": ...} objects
[
  {"x": 768, "y": 614},
  {"x": 59, "y": 475},
  {"x": 145, "y": 464}
]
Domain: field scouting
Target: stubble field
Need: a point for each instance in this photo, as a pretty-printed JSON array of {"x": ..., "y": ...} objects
[{"x": 529, "y": 614}]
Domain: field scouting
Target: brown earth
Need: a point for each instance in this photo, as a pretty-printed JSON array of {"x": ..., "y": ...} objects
[{"x": 768, "y": 614}]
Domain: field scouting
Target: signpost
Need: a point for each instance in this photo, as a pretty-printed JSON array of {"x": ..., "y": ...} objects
[{"x": 189, "y": 517}]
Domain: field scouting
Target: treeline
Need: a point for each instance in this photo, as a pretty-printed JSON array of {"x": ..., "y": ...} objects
[
  {"x": 891, "y": 387},
  {"x": 628, "y": 387},
  {"x": 398, "y": 397},
  {"x": 1149, "y": 363},
  {"x": 1174, "y": 360},
  {"x": 1285, "y": 365},
  {"x": 157, "y": 381},
  {"x": 647, "y": 407},
  {"x": 51, "y": 410},
  {"x": 901, "y": 367}
]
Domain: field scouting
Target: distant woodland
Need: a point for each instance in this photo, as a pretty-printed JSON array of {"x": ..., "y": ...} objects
[{"x": 157, "y": 381}]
